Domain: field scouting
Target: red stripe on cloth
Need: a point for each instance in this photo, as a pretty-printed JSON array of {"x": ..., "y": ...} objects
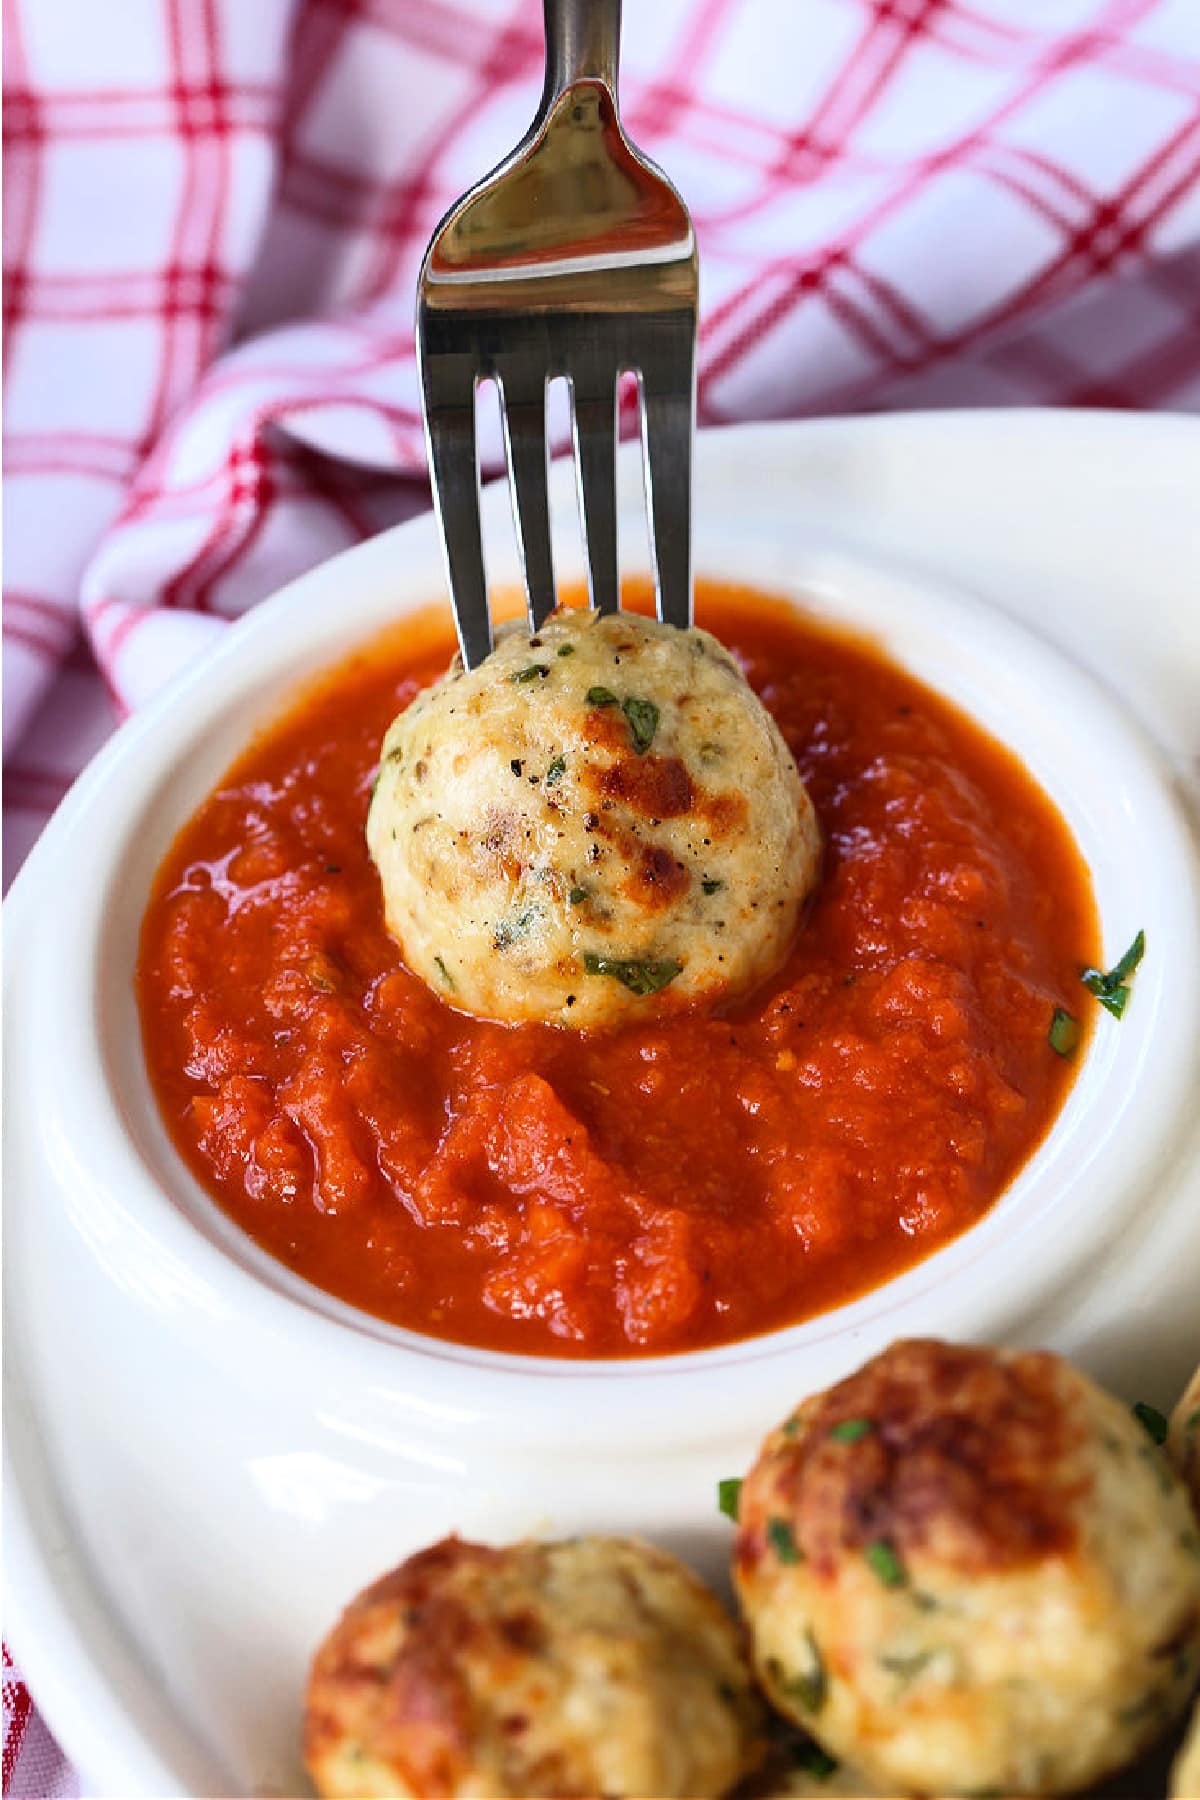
[
  {"x": 760, "y": 318},
  {"x": 22, "y": 174},
  {"x": 30, "y": 640},
  {"x": 113, "y": 113},
  {"x": 18, "y": 1707},
  {"x": 35, "y": 788},
  {"x": 659, "y": 105},
  {"x": 509, "y": 52},
  {"x": 449, "y": 31}
]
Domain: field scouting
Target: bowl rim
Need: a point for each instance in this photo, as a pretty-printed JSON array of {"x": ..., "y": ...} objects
[
  {"x": 103, "y": 1687},
  {"x": 517, "y": 1395}
]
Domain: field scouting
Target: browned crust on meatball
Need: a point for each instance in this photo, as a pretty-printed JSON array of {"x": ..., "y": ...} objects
[
  {"x": 969, "y": 1454},
  {"x": 420, "y": 1705},
  {"x": 657, "y": 787}
]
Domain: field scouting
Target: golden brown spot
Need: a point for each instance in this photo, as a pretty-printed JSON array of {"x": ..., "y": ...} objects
[
  {"x": 722, "y": 813},
  {"x": 658, "y": 787},
  {"x": 969, "y": 1457},
  {"x": 392, "y": 1668},
  {"x": 657, "y": 880}
]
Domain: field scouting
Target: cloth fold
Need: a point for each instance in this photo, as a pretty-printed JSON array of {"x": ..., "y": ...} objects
[{"x": 215, "y": 213}]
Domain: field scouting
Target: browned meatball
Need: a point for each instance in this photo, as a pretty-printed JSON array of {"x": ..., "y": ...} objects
[
  {"x": 1184, "y": 1440},
  {"x": 970, "y": 1569},
  {"x": 598, "y": 1666}
]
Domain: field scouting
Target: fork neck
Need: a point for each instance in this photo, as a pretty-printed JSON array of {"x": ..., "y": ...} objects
[{"x": 583, "y": 39}]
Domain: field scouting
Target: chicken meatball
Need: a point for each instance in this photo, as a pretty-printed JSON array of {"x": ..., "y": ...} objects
[
  {"x": 599, "y": 820},
  {"x": 1185, "y": 1773},
  {"x": 593, "y": 1666},
  {"x": 1184, "y": 1438},
  {"x": 968, "y": 1569}
]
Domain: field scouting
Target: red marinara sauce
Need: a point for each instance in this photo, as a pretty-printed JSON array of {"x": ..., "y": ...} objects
[{"x": 680, "y": 1183}]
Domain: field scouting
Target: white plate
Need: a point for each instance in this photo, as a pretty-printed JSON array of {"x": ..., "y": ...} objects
[{"x": 206, "y": 1457}]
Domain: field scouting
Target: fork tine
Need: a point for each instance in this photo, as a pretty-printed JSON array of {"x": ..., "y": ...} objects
[
  {"x": 449, "y": 382},
  {"x": 523, "y": 406},
  {"x": 667, "y": 420},
  {"x": 594, "y": 398}
]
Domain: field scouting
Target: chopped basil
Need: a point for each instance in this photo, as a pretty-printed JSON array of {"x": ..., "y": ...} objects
[
  {"x": 1192, "y": 1422},
  {"x": 517, "y": 925},
  {"x": 1153, "y": 1420},
  {"x": 851, "y": 1430},
  {"x": 601, "y": 696},
  {"x": 885, "y": 1563},
  {"x": 782, "y": 1541},
  {"x": 907, "y": 1667},
  {"x": 1111, "y": 989},
  {"x": 810, "y": 1759},
  {"x": 556, "y": 771},
  {"x": 535, "y": 672},
  {"x": 577, "y": 896},
  {"x": 1063, "y": 1034},
  {"x": 728, "y": 1492},
  {"x": 643, "y": 722},
  {"x": 710, "y": 886},
  {"x": 566, "y": 650},
  {"x": 809, "y": 1688},
  {"x": 639, "y": 977},
  {"x": 443, "y": 971}
]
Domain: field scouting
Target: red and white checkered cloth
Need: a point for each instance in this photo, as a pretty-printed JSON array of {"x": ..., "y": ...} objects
[{"x": 215, "y": 211}]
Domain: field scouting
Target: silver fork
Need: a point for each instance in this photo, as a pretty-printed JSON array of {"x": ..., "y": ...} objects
[{"x": 575, "y": 257}]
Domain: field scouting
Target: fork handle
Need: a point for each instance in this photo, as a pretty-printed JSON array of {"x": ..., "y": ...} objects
[{"x": 583, "y": 40}]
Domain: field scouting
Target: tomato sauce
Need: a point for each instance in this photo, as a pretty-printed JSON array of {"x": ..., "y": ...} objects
[{"x": 679, "y": 1183}]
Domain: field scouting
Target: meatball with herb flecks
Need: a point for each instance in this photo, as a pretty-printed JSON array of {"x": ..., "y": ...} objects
[
  {"x": 595, "y": 1666},
  {"x": 600, "y": 822},
  {"x": 967, "y": 1569}
]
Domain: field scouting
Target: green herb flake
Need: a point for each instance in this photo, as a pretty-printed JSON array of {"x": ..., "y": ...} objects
[
  {"x": 728, "y": 1494},
  {"x": 907, "y": 1668},
  {"x": 810, "y": 1759},
  {"x": 782, "y": 1541},
  {"x": 535, "y": 672},
  {"x": 884, "y": 1562},
  {"x": 556, "y": 771},
  {"x": 1154, "y": 1421},
  {"x": 516, "y": 926},
  {"x": 1063, "y": 1035},
  {"x": 565, "y": 650},
  {"x": 601, "y": 696},
  {"x": 577, "y": 896},
  {"x": 809, "y": 1688},
  {"x": 639, "y": 977},
  {"x": 850, "y": 1431},
  {"x": 712, "y": 886},
  {"x": 444, "y": 972},
  {"x": 1111, "y": 989},
  {"x": 643, "y": 722},
  {"x": 1192, "y": 1422}
]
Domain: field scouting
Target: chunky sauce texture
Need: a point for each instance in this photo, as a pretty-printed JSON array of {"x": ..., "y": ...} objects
[{"x": 681, "y": 1183}]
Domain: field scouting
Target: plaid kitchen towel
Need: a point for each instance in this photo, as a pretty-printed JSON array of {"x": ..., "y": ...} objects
[{"x": 215, "y": 211}]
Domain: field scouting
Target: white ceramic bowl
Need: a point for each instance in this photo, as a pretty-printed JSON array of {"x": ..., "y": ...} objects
[{"x": 208, "y": 1454}]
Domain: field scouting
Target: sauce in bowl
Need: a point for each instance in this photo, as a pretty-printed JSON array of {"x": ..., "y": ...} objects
[{"x": 683, "y": 1182}]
